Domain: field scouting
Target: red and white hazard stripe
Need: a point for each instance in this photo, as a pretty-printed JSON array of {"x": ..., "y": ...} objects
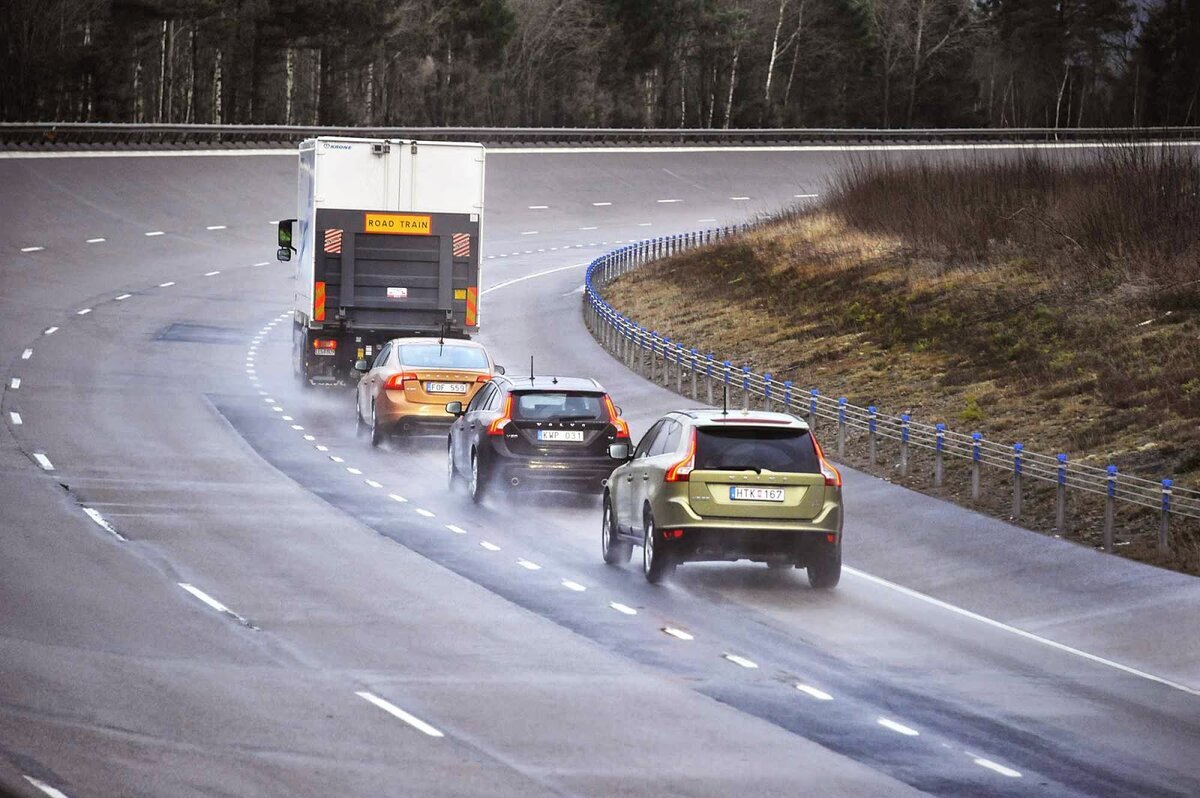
[
  {"x": 333, "y": 242},
  {"x": 461, "y": 244}
]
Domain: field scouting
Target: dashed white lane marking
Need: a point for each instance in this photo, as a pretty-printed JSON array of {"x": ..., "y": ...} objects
[
  {"x": 489, "y": 546},
  {"x": 167, "y": 284},
  {"x": 15, "y": 417},
  {"x": 309, "y": 438},
  {"x": 706, "y": 221},
  {"x": 28, "y": 353},
  {"x": 739, "y": 199},
  {"x": 336, "y": 459},
  {"x": 44, "y": 787},
  {"x": 212, "y": 274},
  {"x": 372, "y": 483},
  {"x": 813, "y": 692},
  {"x": 212, "y": 602},
  {"x": 624, "y": 609},
  {"x": 83, "y": 312},
  {"x": 322, "y": 448},
  {"x": 14, "y": 383},
  {"x": 804, "y": 196},
  {"x": 538, "y": 207},
  {"x": 215, "y": 227},
  {"x": 50, "y": 331},
  {"x": 529, "y": 232},
  {"x": 667, "y": 201},
  {"x": 644, "y": 224},
  {"x": 423, "y": 512},
  {"x": 679, "y": 634},
  {"x": 738, "y": 660},
  {"x": 994, "y": 766},
  {"x": 397, "y": 712},
  {"x": 601, "y": 204},
  {"x": 102, "y": 523},
  {"x": 96, "y": 240},
  {"x": 284, "y": 418},
  {"x": 569, "y": 585},
  {"x": 262, "y": 263},
  {"x": 458, "y": 530},
  {"x": 397, "y": 498},
  {"x": 269, "y": 400},
  {"x": 153, "y": 233},
  {"x": 32, "y": 249},
  {"x": 899, "y": 728},
  {"x": 123, "y": 297},
  {"x": 593, "y": 227},
  {"x": 529, "y": 566},
  {"x": 1019, "y": 632},
  {"x": 43, "y": 461},
  {"x": 515, "y": 280},
  {"x": 298, "y": 428},
  {"x": 277, "y": 409},
  {"x": 356, "y": 472}
]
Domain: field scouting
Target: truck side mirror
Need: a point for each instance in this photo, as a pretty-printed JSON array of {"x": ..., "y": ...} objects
[
  {"x": 283, "y": 254},
  {"x": 286, "y": 249},
  {"x": 361, "y": 365},
  {"x": 499, "y": 369}
]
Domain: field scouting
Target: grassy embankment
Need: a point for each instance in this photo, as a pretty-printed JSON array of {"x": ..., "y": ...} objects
[{"x": 1049, "y": 300}]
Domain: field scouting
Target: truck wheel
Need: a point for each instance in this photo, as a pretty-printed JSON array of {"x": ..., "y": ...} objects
[
  {"x": 376, "y": 431},
  {"x": 825, "y": 567},
  {"x": 615, "y": 550},
  {"x": 656, "y": 562},
  {"x": 479, "y": 479},
  {"x": 300, "y": 346}
]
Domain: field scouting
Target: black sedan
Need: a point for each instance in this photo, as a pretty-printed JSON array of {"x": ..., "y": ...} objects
[{"x": 558, "y": 433}]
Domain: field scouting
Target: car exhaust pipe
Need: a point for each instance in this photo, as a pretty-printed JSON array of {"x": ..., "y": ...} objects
[{"x": 515, "y": 482}]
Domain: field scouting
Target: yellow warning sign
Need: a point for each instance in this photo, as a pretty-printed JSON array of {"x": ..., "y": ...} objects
[
  {"x": 398, "y": 224},
  {"x": 460, "y": 293}
]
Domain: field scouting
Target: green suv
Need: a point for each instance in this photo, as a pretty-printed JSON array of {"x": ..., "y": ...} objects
[{"x": 711, "y": 485}]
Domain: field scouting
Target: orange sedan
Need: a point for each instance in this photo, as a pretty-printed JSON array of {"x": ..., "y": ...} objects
[{"x": 408, "y": 384}]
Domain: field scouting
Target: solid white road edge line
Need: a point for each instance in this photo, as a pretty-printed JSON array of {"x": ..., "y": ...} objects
[
  {"x": 1019, "y": 632},
  {"x": 44, "y": 787},
  {"x": 899, "y": 728},
  {"x": 515, "y": 280},
  {"x": 397, "y": 712},
  {"x": 99, "y": 519}
]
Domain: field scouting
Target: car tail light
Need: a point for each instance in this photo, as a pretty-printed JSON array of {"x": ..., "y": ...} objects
[
  {"x": 325, "y": 343},
  {"x": 833, "y": 477},
  {"x": 396, "y": 381},
  {"x": 672, "y": 534},
  {"x": 682, "y": 471},
  {"x": 482, "y": 378},
  {"x": 497, "y": 426},
  {"x": 621, "y": 424}
]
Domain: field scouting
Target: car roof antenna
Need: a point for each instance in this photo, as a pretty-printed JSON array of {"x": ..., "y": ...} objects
[{"x": 531, "y": 369}]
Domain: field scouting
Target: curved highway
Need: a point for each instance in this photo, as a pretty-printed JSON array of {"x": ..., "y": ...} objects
[{"x": 209, "y": 586}]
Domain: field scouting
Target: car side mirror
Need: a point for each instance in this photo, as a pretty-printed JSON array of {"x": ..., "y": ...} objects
[
  {"x": 362, "y": 365},
  {"x": 286, "y": 249},
  {"x": 454, "y": 408},
  {"x": 619, "y": 451},
  {"x": 499, "y": 370}
]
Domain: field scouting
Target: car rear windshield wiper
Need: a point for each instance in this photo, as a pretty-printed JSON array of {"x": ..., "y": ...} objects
[
  {"x": 755, "y": 469},
  {"x": 588, "y": 417}
]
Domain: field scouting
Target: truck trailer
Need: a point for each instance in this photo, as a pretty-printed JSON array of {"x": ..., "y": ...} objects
[{"x": 387, "y": 243}]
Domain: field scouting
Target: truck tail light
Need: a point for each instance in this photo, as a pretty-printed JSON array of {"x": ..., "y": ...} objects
[
  {"x": 833, "y": 477},
  {"x": 396, "y": 381},
  {"x": 319, "y": 301},
  {"x": 497, "y": 426},
  {"x": 621, "y": 425},
  {"x": 324, "y": 343},
  {"x": 682, "y": 471}
]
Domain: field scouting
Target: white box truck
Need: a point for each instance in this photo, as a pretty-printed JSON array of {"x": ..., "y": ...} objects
[{"x": 386, "y": 243}]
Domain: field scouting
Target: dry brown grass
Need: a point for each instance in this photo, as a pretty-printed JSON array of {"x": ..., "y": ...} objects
[{"x": 1060, "y": 309}]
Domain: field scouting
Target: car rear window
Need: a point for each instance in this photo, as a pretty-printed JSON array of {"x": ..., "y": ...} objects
[
  {"x": 740, "y": 448},
  {"x": 559, "y": 406},
  {"x": 434, "y": 356}
]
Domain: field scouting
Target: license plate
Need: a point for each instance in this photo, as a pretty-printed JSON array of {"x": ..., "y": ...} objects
[
  {"x": 739, "y": 494},
  {"x": 325, "y": 352},
  {"x": 574, "y": 436},
  {"x": 445, "y": 387}
]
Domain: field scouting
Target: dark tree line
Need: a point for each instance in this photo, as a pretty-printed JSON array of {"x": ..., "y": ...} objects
[{"x": 660, "y": 63}]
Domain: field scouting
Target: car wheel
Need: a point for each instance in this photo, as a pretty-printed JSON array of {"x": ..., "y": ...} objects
[
  {"x": 376, "y": 432},
  {"x": 479, "y": 479},
  {"x": 825, "y": 567},
  {"x": 360, "y": 426},
  {"x": 451, "y": 476},
  {"x": 615, "y": 550},
  {"x": 656, "y": 564}
]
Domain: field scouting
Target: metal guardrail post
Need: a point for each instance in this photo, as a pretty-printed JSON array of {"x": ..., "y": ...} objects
[
  {"x": 678, "y": 369},
  {"x": 904, "y": 418},
  {"x": 695, "y": 368},
  {"x": 1018, "y": 448},
  {"x": 1164, "y": 543},
  {"x": 976, "y": 453},
  {"x": 939, "y": 454},
  {"x": 871, "y": 433},
  {"x": 787, "y": 398},
  {"x": 1110, "y": 500},
  {"x": 708, "y": 376},
  {"x": 653, "y": 355},
  {"x": 728, "y": 366},
  {"x": 767, "y": 392},
  {"x": 644, "y": 353},
  {"x": 666, "y": 357},
  {"x": 746, "y": 387},
  {"x": 841, "y": 427},
  {"x": 1060, "y": 499},
  {"x": 812, "y": 410}
]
